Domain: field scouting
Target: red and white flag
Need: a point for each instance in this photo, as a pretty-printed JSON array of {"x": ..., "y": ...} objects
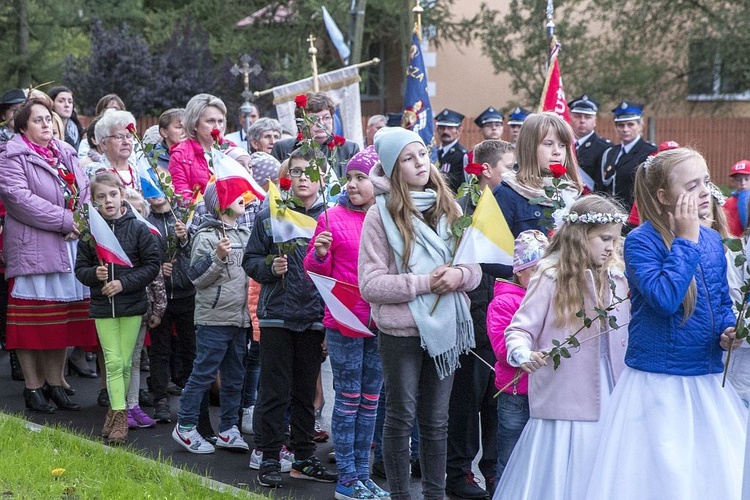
[
  {"x": 232, "y": 180},
  {"x": 340, "y": 298},
  {"x": 108, "y": 248},
  {"x": 553, "y": 95},
  {"x": 151, "y": 227}
]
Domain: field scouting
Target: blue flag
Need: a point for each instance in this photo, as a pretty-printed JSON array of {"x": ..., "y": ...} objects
[{"x": 417, "y": 108}]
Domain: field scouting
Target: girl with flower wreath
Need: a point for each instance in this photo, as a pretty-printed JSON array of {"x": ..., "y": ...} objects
[
  {"x": 672, "y": 431},
  {"x": 582, "y": 271}
]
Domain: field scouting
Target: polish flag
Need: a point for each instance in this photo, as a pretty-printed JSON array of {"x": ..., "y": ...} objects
[
  {"x": 151, "y": 227},
  {"x": 232, "y": 180},
  {"x": 108, "y": 248},
  {"x": 340, "y": 298},
  {"x": 553, "y": 95}
]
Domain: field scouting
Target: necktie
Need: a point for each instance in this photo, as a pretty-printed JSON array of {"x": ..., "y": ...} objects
[{"x": 619, "y": 155}]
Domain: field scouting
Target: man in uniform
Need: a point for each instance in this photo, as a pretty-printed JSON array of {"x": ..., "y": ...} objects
[
  {"x": 619, "y": 162},
  {"x": 450, "y": 153},
  {"x": 515, "y": 120},
  {"x": 490, "y": 123},
  {"x": 589, "y": 146}
]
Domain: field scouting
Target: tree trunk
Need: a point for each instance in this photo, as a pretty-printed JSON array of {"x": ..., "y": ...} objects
[
  {"x": 24, "y": 68},
  {"x": 356, "y": 29}
]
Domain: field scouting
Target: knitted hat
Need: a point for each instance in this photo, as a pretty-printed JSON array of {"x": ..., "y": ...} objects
[
  {"x": 211, "y": 199},
  {"x": 235, "y": 152},
  {"x": 363, "y": 161},
  {"x": 264, "y": 167},
  {"x": 389, "y": 142},
  {"x": 529, "y": 249}
]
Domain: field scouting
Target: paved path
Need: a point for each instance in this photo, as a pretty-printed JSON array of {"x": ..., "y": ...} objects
[{"x": 223, "y": 466}]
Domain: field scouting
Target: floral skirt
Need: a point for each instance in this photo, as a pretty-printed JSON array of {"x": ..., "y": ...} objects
[{"x": 670, "y": 437}]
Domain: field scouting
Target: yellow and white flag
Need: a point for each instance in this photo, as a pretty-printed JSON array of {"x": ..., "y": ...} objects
[
  {"x": 286, "y": 224},
  {"x": 488, "y": 239}
]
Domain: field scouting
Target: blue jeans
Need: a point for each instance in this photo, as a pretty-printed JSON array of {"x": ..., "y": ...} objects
[
  {"x": 252, "y": 374},
  {"x": 357, "y": 380},
  {"x": 414, "y": 390},
  {"x": 217, "y": 348},
  {"x": 512, "y": 415}
]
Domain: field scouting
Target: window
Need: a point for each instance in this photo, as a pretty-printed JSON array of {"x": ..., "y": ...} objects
[{"x": 718, "y": 70}]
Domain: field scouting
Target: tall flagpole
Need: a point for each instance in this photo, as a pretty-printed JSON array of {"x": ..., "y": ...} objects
[
  {"x": 417, "y": 10},
  {"x": 550, "y": 26},
  {"x": 312, "y": 51}
]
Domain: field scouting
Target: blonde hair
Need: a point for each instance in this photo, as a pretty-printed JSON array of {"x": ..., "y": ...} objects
[
  {"x": 535, "y": 128},
  {"x": 570, "y": 246},
  {"x": 649, "y": 179},
  {"x": 132, "y": 195},
  {"x": 402, "y": 208}
]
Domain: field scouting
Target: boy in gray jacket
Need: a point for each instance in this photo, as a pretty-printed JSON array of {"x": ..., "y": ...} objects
[{"x": 221, "y": 319}]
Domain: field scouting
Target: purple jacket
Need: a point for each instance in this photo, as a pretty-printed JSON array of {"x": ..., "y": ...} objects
[
  {"x": 36, "y": 220},
  {"x": 341, "y": 261}
]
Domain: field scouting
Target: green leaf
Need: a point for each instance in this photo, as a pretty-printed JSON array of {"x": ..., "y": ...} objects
[
  {"x": 555, "y": 342},
  {"x": 335, "y": 189},
  {"x": 580, "y": 314},
  {"x": 613, "y": 323},
  {"x": 733, "y": 244},
  {"x": 587, "y": 322},
  {"x": 573, "y": 341},
  {"x": 565, "y": 353},
  {"x": 556, "y": 361},
  {"x": 538, "y": 200},
  {"x": 549, "y": 191}
]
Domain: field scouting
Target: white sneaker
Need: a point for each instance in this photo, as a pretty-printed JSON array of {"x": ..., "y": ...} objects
[
  {"x": 192, "y": 441},
  {"x": 247, "y": 420},
  {"x": 285, "y": 460},
  {"x": 231, "y": 440}
]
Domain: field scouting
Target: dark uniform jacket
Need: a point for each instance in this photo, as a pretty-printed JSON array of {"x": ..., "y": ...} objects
[
  {"x": 455, "y": 158},
  {"x": 590, "y": 153},
  {"x": 618, "y": 179}
]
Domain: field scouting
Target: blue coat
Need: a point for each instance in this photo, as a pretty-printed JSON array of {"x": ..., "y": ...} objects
[{"x": 659, "y": 278}]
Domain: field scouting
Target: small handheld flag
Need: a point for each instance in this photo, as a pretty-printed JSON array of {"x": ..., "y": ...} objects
[
  {"x": 151, "y": 227},
  {"x": 488, "y": 239},
  {"x": 149, "y": 182},
  {"x": 340, "y": 298},
  {"x": 107, "y": 247},
  {"x": 232, "y": 180},
  {"x": 287, "y": 224}
]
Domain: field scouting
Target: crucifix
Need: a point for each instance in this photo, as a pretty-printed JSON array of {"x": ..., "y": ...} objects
[
  {"x": 314, "y": 62},
  {"x": 245, "y": 69}
]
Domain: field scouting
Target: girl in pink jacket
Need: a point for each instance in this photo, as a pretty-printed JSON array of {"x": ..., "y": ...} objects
[
  {"x": 581, "y": 272},
  {"x": 513, "y": 402},
  {"x": 357, "y": 375}
]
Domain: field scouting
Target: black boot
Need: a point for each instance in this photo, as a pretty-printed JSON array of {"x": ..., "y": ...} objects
[
  {"x": 57, "y": 394},
  {"x": 36, "y": 401},
  {"x": 16, "y": 373}
]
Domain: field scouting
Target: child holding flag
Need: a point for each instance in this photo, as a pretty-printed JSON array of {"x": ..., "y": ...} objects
[
  {"x": 290, "y": 314},
  {"x": 355, "y": 361},
  {"x": 221, "y": 319},
  {"x": 126, "y": 260},
  {"x": 403, "y": 269}
]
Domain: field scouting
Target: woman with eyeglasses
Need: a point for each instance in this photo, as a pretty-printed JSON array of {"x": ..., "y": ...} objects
[
  {"x": 41, "y": 186},
  {"x": 116, "y": 144},
  {"x": 189, "y": 161}
]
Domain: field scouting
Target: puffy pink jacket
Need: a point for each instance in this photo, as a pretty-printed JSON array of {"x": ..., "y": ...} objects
[
  {"x": 341, "y": 261},
  {"x": 188, "y": 167},
  {"x": 508, "y": 297}
]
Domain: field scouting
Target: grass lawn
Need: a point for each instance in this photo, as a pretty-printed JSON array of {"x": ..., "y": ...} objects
[{"x": 50, "y": 463}]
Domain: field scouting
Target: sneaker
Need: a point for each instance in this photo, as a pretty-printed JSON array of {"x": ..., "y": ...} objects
[
  {"x": 269, "y": 474},
  {"x": 103, "y": 398},
  {"x": 145, "y": 398},
  {"x": 352, "y": 490},
  {"x": 377, "y": 490},
  {"x": 174, "y": 390},
  {"x": 378, "y": 469},
  {"x": 163, "y": 413},
  {"x": 256, "y": 460},
  {"x": 320, "y": 435},
  {"x": 231, "y": 440},
  {"x": 191, "y": 440},
  {"x": 132, "y": 424},
  {"x": 247, "y": 420},
  {"x": 312, "y": 469},
  {"x": 142, "y": 420}
]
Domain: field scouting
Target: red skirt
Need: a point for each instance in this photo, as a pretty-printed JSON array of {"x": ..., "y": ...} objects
[{"x": 44, "y": 324}]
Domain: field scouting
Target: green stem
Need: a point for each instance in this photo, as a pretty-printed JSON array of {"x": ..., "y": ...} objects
[{"x": 740, "y": 316}]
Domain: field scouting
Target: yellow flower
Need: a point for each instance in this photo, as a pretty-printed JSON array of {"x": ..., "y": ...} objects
[{"x": 58, "y": 472}]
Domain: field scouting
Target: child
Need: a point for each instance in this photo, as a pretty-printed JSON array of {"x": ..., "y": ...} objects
[
  {"x": 582, "y": 271},
  {"x": 403, "y": 270},
  {"x": 221, "y": 320},
  {"x": 672, "y": 431},
  {"x": 545, "y": 139},
  {"x": 735, "y": 207},
  {"x": 118, "y": 294},
  {"x": 290, "y": 314},
  {"x": 355, "y": 362},
  {"x": 513, "y": 404},
  {"x": 157, "y": 303}
]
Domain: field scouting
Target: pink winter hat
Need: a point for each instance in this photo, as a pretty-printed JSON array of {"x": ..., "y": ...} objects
[
  {"x": 363, "y": 161},
  {"x": 529, "y": 249}
]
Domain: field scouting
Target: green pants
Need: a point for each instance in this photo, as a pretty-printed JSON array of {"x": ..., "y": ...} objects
[{"x": 118, "y": 337}]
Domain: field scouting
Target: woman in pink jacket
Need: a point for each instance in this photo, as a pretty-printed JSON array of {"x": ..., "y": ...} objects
[
  {"x": 355, "y": 362},
  {"x": 513, "y": 402},
  {"x": 582, "y": 272}
]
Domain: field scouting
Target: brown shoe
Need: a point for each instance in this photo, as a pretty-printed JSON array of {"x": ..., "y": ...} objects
[
  {"x": 119, "y": 433},
  {"x": 107, "y": 424}
]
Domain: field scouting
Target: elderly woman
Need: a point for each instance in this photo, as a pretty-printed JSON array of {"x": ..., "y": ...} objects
[
  {"x": 189, "y": 161},
  {"x": 263, "y": 134},
  {"x": 42, "y": 184},
  {"x": 116, "y": 145}
]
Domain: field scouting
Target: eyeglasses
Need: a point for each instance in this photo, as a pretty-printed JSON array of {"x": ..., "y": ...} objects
[
  {"x": 121, "y": 137},
  {"x": 296, "y": 172}
]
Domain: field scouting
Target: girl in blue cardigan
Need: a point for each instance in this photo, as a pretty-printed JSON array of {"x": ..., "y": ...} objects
[{"x": 672, "y": 431}]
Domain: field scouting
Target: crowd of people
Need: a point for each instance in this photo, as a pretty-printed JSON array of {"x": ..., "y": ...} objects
[{"x": 587, "y": 366}]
